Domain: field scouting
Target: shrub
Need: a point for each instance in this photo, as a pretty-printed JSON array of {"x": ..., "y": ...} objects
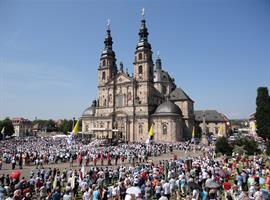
[
  {"x": 239, "y": 149},
  {"x": 222, "y": 146},
  {"x": 267, "y": 148},
  {"x": 249, "y": 145}
]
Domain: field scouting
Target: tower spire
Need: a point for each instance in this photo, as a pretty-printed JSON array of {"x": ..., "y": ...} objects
[
  {"x": 108, "y": 39},
  {"x": 143, "y": 65},
  {"x": 143, "y": 33},
  {"x": 158, "y": 61},
  {"x": 108, "y": 42},
  {"x": 107, "y": 64}
]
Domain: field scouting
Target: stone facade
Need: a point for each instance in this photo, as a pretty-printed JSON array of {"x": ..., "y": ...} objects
[
  {"x": 127, "y": 106},
  {"x": 22, "y": 127},
  {"x": 213, "y": 122}
]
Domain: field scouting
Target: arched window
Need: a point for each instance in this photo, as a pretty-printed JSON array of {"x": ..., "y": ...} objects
[
  {"x": 140, "y": 129},
  {"x": 119, "y": 100},
  {"x": 140, "y": 56},
  {"x": 125, "y": 99},
  {"x": 104, "y": 63},
  {"x": 103, "y": 75},
  {"x": 105, "y": 102},
  {"x": 140, "y": 69},
  {"x": 110, "y": 98},
  {"x": 129, "y": 96},
  {"x": 101, "y": 124},
  {"x": 164, "y": 89},
  {"x": 115, "y": 125},
  {"x": 164, "y": 128}
]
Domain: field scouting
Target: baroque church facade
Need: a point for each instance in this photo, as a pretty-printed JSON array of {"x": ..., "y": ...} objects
[{"x": 127, "y": 106}]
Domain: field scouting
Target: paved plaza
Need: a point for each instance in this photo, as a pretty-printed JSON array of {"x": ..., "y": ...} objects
[{"x": 25, "y": 172}]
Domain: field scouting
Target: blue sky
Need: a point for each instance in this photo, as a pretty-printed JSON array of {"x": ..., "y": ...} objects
[{"x": 217, "y": 50}]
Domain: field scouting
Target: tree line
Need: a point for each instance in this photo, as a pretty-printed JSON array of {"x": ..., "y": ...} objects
[
  {"x": 248, "y": 145},
  {"x": 65, "y": 126}
]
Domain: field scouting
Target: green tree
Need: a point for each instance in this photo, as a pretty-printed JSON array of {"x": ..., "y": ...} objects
[
  {"x": 268, "y": 148},
  {"x": 250, "y": 145},
  {"x": 198, "y": 131},
  {"x": 262, "y": 114},
  {"x": 9, "y": 129},
  {"x": 239, "y": 149},
  {"x": 222, "y": 146},
  {"x": 50, "y": 124},
  {"x": 38, "y": 121},
  {"x": 66, "y": 126}
]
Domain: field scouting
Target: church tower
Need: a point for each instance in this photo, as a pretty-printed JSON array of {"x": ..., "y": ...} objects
[
  {"x": 107, "y": 67},
  {"x": 143, "y": 64}
]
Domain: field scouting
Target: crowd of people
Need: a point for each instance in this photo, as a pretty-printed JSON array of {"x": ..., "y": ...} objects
[
  {"x": 39, "y": 151},
  {"x": 128, "y": 172}
]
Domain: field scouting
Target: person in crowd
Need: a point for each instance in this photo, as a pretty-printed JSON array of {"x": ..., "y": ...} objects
[{"x": 201, "y": 176}]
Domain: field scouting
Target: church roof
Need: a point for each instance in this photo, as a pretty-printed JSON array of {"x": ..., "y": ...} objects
[
  {"x": 179, "y": 95},
  {"x": 90, "y": 111},
  {"x": 168, "y": 108},
  {"x": 210, "y": 116},
  {"x": 252, "y": 117},
  {"x": 162, "y": 76}
]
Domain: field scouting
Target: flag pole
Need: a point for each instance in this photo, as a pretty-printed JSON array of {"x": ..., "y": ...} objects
[{"x": 3, "y": 132}]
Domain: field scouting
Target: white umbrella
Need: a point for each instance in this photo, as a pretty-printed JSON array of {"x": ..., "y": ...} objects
[
  {"x": 211, "y": 184},
  {"x": 134, "y": 190}
]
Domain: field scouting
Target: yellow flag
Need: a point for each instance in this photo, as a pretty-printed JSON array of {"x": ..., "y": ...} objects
[
  {"x": 193, "y": 132},
  {"x": 253, "y": 127},
  {"x": 221, "y": 130},
  {"x": 3, "y": 130},
  {"x": 76, "y": 128},
  {"x": 151, "y": 131}
]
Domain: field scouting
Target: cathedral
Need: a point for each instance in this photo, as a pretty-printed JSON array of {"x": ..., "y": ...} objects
[{"x": 127, "y": 105}]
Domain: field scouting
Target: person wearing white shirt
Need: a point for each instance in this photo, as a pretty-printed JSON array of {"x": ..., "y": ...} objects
[
  {"x": 86, "y": 195},
  {"x": 166, "y": 189}
]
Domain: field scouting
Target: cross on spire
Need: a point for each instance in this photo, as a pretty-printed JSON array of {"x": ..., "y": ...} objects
[
  {"x": 109, "y": 24},
  {"x": 142, "y": 13}
]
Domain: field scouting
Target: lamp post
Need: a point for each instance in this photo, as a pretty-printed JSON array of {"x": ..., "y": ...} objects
[
  {"x": 204, "y": 125},
  {"x": 73, "y": 120}
]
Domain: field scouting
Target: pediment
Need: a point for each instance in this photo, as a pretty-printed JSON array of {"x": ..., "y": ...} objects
[{"x": 120, "y": 79}]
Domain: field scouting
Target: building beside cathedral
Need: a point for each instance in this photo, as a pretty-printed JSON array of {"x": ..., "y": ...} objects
[
  {"x": 213, "y": 122},
  {"x": 128, "y": 105}
]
